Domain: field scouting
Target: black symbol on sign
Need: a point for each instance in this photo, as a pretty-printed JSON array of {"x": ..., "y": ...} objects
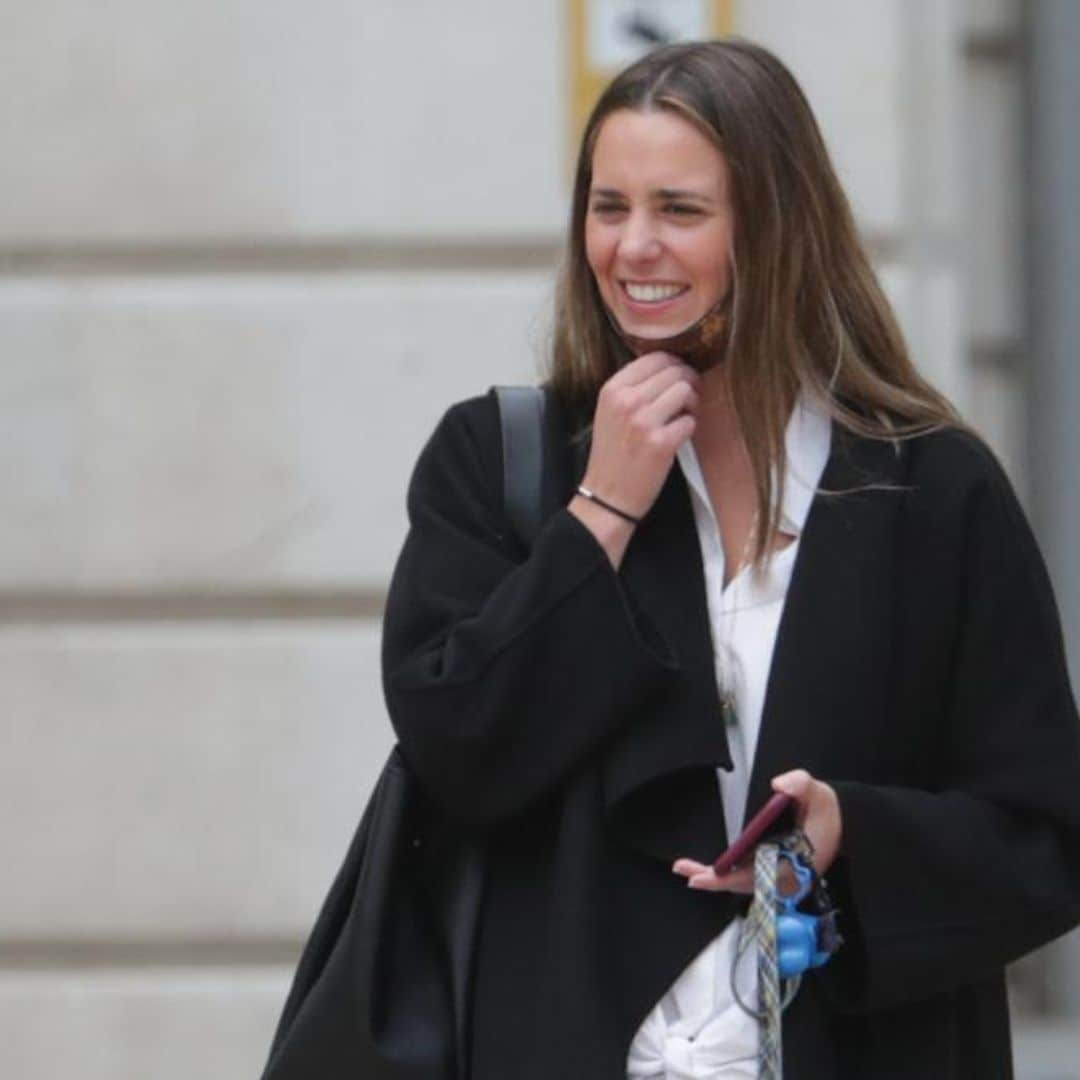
[{"x": 639, "y": 27}]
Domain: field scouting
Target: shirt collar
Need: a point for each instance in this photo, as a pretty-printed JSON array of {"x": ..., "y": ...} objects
[{"x": 807, "y": 440}]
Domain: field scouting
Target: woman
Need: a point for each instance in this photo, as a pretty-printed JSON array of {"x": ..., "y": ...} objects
[{"x": 774, "y": 557}]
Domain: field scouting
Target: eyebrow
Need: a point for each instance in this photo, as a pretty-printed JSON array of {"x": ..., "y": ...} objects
[{"x": 658, "y": 193}]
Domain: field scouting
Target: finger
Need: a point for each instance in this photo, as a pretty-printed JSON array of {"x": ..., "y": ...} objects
[
  {"x": 676, "y": 400},
  {"x": 633, "y": 398},
  {"x": 701, "y": 876},
  {"x": 797, "y": 783},
  {"x": 626, "y": 399},
  {"x": 678, "y": 431},
  {"x": 659, "y": 382},
  {"x": 637, "y": 371},
  {"x": 688, "y": 867},
  {"x": 737, "y": 881}
]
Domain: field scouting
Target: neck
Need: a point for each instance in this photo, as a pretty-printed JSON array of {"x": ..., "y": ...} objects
[{"x": 718, "y": 428}]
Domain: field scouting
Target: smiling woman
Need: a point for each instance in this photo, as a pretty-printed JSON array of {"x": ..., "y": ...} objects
[{"x": 772, "y": 560}]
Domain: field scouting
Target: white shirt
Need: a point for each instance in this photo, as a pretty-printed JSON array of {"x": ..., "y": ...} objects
[{"x": 697, "y": 1031}]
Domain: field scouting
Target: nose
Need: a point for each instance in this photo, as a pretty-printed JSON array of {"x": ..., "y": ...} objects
[{"x": 639, "y": 240}]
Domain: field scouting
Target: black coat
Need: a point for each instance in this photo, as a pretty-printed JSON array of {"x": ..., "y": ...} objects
[{"x": 572, "y": 711}]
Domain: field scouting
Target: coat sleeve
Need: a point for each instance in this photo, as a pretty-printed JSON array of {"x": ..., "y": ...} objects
[
  {"x": 504, "y": 672},
  {"x": 944, "y": 887}
]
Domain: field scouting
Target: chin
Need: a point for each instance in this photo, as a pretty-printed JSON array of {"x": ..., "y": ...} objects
[
  {"x": 645, "y": 328},
  {"x": 652, "y": 332}
]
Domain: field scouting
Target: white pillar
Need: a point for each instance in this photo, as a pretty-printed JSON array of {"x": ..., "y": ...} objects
[{"x": 1054, "y": 389}]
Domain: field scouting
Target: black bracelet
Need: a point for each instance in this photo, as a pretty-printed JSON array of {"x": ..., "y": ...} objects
[{"x": 593, "y": 497}]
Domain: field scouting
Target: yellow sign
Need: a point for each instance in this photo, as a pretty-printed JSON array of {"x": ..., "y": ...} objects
[{"x": 607, "y": 35}]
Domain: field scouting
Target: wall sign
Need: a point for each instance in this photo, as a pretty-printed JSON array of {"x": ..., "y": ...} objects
[{"x": 606, "y": 35}]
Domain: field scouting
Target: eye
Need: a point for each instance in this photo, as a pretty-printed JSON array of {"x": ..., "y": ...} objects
[
  {"x": 682, "y": 209},
  {"x": 606, "y": 208}
]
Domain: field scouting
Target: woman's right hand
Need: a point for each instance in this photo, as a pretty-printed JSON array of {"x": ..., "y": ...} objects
[{"x": 644, "y": 413}]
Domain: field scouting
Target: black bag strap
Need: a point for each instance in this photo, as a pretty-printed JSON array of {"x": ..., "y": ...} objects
[{"x": 521, "y": 412}]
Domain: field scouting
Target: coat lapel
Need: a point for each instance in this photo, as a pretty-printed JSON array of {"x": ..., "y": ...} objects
[
  {"x": 660, "y": 775},
  {"x": 830, "y": 662},
  {"x": 834, "y": 645}
]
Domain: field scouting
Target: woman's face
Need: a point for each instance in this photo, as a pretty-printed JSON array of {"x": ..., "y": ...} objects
[{"x": 658, "y": 227}]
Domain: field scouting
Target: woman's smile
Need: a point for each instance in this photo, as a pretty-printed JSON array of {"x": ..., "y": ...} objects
[
  {"x": 652, "y": 303},
  {"x": 645, "y": 292}
]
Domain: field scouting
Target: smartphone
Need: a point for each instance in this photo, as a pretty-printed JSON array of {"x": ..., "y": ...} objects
[{"x": 755, "y": 829}]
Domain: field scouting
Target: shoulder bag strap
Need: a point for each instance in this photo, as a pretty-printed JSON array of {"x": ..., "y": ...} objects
[{"x": 521, "y": 411}]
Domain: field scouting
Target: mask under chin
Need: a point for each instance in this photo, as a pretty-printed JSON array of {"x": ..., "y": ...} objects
[{"x": 702, "y": 344}]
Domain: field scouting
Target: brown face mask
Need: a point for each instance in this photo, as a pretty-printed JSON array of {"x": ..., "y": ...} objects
[{"x": 702, "y": 344}]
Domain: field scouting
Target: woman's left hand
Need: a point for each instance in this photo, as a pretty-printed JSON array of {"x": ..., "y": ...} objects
[{"x": 817, "y": 814}]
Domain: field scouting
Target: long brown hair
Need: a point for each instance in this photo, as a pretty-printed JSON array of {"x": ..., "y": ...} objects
[{"x": 807, "y": 309}]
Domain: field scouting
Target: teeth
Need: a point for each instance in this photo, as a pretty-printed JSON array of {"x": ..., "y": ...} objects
[{"x": 653, "y": 293}]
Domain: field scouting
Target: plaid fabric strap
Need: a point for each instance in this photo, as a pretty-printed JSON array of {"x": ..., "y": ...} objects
[
  {"x": 761, "y": 927},
  {"x": 759, "y": 930}
]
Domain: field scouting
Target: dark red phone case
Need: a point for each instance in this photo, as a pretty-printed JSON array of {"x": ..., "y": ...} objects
[{"x": 755, "y": 829}]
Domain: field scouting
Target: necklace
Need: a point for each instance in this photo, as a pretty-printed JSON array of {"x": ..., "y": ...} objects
[{"x": 730, "y": 662}]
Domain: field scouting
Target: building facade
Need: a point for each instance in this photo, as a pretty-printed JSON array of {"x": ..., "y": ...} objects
[{"x": 248, "y": 255}]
